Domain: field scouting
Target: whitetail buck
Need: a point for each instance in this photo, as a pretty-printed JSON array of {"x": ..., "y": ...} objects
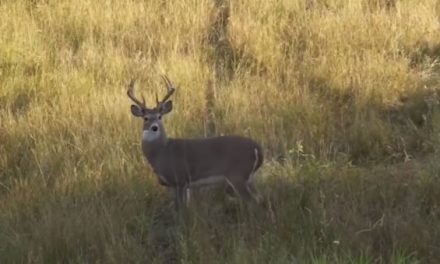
[{"x": 184, "y": 163}]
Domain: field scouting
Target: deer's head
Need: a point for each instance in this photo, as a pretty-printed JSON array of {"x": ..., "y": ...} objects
[{"x": 153, "y": 128}]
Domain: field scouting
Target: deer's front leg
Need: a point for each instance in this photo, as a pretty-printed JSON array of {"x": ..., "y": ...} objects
[{"x": 180, "y": 197}]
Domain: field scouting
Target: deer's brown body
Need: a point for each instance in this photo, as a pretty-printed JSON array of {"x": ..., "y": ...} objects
[{"x": 184, "y": 163}]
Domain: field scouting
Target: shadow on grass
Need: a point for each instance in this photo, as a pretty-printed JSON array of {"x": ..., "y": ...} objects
[
  {"x": 379, "y": 215},
  {"x": 311, "y": 212}
]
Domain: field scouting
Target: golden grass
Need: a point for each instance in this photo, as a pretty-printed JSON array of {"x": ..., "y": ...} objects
[{"x": 315, "y": 80}]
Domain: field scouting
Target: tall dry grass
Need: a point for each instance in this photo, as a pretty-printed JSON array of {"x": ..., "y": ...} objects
[{"x": 321, "y": 84}]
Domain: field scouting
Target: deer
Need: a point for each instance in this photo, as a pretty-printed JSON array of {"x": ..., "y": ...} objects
[{"x": 184, "y": 163}]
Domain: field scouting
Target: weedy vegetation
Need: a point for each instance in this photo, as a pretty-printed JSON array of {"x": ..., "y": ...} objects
[{"x": 342, "y": 95}]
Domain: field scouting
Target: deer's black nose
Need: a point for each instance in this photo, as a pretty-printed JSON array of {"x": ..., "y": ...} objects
[{"x": 154, "y": 128}]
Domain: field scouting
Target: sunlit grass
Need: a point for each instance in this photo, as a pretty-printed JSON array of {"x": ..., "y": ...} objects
[{"x": 322, "y": 84}]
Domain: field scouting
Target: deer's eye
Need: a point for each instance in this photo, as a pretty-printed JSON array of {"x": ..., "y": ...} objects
[
  {"x": 159, "y": 117},
  {"x": 146, "y": 119}
]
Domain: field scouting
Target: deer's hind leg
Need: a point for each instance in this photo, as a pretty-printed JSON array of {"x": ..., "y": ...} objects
[
  {"x": 180, "y": 197},
  {"x": 242, "y": 189},
  {"x": 253, "y": 190}
]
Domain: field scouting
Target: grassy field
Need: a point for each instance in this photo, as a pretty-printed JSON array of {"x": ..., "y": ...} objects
[{"x": 342, "y": 94}]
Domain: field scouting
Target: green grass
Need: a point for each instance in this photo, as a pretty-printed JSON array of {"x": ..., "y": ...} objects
[{"x": 341, "y": 94}]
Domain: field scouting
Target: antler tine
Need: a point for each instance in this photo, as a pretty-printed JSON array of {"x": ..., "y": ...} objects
[
  {"x": 170, "y": 89},
  {"x": 130, "y": 94}
]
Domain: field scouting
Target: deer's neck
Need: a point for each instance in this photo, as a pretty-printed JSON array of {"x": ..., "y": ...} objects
[{"x": 153, "y": 149}]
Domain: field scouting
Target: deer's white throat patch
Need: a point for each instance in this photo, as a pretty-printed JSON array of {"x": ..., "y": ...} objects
[{"x": 148, "y": 135}]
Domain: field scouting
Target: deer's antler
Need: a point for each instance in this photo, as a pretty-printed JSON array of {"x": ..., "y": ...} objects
[
  {"x": 130, "y": 94},
  {"x": 170, "y": 90}
]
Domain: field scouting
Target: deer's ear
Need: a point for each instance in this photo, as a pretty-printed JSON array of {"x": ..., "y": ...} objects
[
  {"x": 136, "y": 110},
  {"x": 166, "y": 107}
]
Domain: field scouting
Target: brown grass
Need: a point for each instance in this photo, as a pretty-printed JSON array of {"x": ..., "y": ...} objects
[{"x": 339, "y": 93}]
